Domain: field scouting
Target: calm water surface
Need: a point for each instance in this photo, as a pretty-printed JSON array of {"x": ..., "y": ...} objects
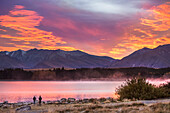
[{"x": 19, "y": 91}]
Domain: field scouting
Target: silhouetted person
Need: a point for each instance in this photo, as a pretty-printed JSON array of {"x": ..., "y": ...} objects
[
  {"x": 40, "y": 98},
  {"x": 34, "y": 99},
  {"x": 62, "y": 68}
]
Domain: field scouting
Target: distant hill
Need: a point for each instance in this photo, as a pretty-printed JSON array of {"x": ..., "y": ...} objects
[
  {"x": 35, "y": 58},
  {"x": 154, "y": 58}
]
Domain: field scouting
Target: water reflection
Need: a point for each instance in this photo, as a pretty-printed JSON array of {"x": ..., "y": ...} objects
[
  {"x": 24, "y": 91},
  {"x": 20, "y": 91}
]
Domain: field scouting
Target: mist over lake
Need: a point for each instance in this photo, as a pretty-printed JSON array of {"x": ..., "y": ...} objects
[{"x": 21, "y": 91}]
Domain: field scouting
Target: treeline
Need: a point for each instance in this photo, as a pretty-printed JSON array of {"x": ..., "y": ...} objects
[
  {"x": 61, "y": 74},
  {"x": 15, "y": 74}
]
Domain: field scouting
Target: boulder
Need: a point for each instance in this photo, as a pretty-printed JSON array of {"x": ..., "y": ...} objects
[
  {"x": 5, "y": 102},
  {"x": 24, "y": 108}
]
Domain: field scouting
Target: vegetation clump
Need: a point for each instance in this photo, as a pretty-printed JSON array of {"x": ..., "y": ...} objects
[
  {"x": 140, "y": 89},
  {"x": 165, "y": 90}
]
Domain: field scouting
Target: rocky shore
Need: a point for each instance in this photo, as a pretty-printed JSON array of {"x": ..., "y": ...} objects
[{"x": 102, "y": 105}]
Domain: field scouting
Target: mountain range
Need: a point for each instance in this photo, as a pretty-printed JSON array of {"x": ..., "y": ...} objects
[
  {"x": 35, "y": 58},
  {"x": 154, "y": 58},
  {"x": 32, "y": 59}
]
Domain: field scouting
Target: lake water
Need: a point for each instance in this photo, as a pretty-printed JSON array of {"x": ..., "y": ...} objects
[{"x": 21, "y": 91}]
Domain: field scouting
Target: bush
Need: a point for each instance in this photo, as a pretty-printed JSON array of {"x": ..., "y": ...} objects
[
  {"x": 138, "y": 88},
  {"x": 165, "y": 90}
]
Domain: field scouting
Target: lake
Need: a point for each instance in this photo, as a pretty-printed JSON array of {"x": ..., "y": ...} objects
[{"x": 21, "y": 91}]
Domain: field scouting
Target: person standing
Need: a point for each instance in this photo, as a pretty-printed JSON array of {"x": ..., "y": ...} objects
[
  {"x": 40, "y": 98},
  {"x": 34, "y": 99}
]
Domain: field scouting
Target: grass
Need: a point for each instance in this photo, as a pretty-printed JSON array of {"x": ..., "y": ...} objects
[
  {"x": 161, "y": 108},
  {"x": 125, "y": 105},
  {"x": 98, "y": 108}
]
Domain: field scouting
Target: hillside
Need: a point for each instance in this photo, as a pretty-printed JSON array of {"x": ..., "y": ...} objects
[
  {"x": 34, "y": 58},
  {"x": 38, "y": 59},
  {"x": 154, "y": 58}
]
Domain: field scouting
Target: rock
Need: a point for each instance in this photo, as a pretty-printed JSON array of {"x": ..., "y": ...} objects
[
  {"x": 24, "y": 108},
  {"x": 107, "y": 101},
  {"x": 12, "y": 106},
  {"x": 85, "y": 100},
  {"x": 126, "y": 100},
  {"x": 26, "y": 103},
  {"x": 63, "y": 100},
  {"x": 19, "y": 104},
  {"x": 5, "y": 107},
  {"x": 71, "y": 100},
  {"x": 102, "y": 99},
  {"x": 49, "y": 102},
  {"x": 5, "y": 102},
  {"x": 1, "y": 105}
]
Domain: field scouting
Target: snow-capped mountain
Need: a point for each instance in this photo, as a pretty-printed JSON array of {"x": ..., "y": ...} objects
[{"x": 35, "y": 58}]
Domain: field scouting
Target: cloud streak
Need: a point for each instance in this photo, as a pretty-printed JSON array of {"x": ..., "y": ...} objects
[
  {"x": 24, "y": 22},
  {"x": 152, "y": 30},
  {"x": 100, "y": 27},
  {"x": 121, "y": 7}
]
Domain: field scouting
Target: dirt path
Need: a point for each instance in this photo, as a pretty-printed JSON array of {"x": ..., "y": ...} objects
[{"x": 146, "y": 102}]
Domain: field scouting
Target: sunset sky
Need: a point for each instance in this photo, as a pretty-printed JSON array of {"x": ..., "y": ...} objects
[{"x": 112, "y": 28}]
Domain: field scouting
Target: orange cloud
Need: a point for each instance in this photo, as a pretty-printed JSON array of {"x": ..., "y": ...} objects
[
  {"x": 152, "y": 31},
  {"x": 160, "y": 18},
  {"x": 19, "y": 7},
  {"x": 3, "y": 30},
  {"x": 118, "y": 50},
  {"x": 25, "y": 23}
]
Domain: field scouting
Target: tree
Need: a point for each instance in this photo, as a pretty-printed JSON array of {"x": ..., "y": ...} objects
[{"x": 137, "y": 88}]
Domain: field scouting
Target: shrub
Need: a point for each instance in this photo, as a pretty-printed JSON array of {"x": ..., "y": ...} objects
[
  {"x": 138, "y": 88},
  {"x": 165, "y": 90}
]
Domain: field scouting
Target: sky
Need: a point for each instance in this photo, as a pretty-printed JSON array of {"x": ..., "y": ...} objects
[{"x": 114, "y": 28}]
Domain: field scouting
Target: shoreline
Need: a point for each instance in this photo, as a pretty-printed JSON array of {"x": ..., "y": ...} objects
[
  {"x": 86, "y": 80},
  {"x": 88, "y": 100},
  {"x": 60, "y": 100},
  {"x": 93, "y": 106}
]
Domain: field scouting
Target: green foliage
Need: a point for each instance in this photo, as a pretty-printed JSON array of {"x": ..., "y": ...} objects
[
  {"x": 165, "y": 90},
  {"x": 138, "y": 88}
]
